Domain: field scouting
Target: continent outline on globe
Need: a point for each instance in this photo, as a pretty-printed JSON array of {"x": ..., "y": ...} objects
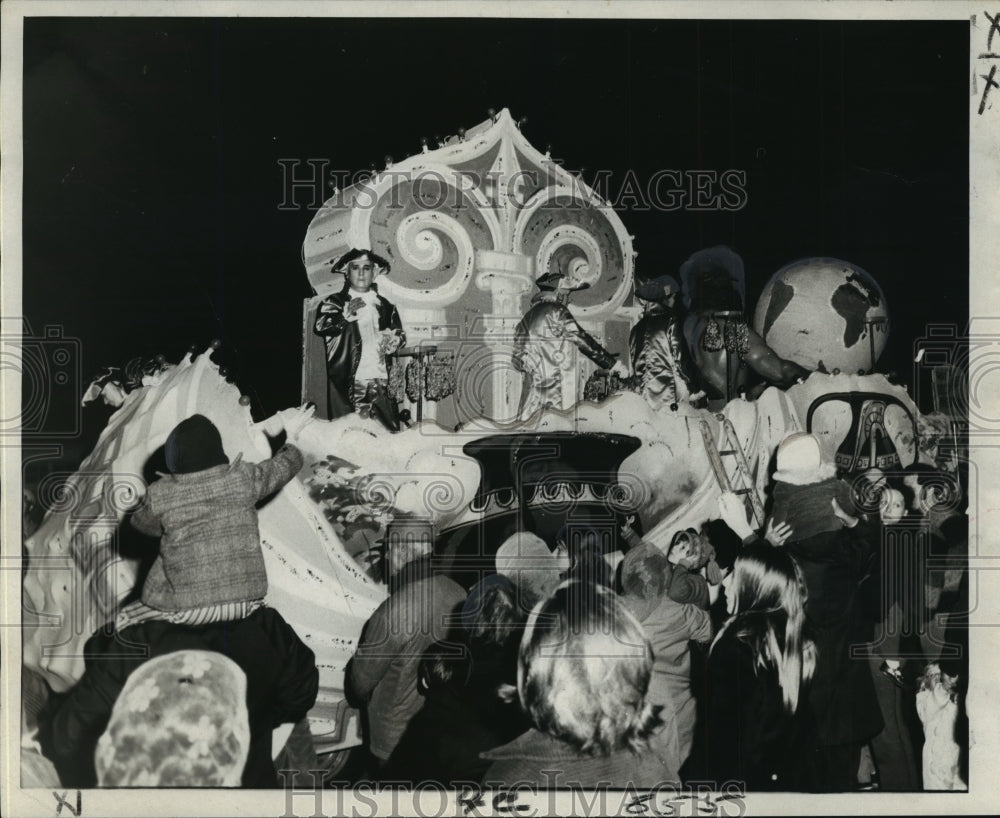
[{"x": 824, "y": 314}]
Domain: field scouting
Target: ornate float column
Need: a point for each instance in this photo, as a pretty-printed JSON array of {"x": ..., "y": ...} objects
[
  {"x": 484, "y": 206},
  {"x": 508, "y": 277}
]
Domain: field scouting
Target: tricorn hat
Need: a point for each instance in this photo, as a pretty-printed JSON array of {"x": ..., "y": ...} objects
[
  {"x": 550, "y": 281},
  {"x": 340, "y": 265}
]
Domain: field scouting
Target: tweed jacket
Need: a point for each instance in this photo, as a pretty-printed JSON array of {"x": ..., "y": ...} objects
[{"x": 210, "y": 545}]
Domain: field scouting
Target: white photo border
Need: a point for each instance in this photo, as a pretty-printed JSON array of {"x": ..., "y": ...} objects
[{"x": 984, "y": 260}]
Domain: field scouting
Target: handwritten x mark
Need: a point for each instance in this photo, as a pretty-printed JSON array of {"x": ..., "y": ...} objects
[
  {"x": 994, "y": 29},
  {"x": 62, "y": 802},
  {"x": 990, "y": 83}
]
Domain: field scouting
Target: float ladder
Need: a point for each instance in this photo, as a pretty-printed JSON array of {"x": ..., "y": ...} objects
[{"x": 746, "y": 487}]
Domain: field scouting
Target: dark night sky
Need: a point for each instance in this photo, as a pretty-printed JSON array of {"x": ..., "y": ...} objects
[{"x": 152, "y": 183}]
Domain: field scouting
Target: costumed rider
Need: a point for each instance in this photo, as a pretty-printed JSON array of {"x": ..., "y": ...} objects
[
  {"x": 545, "y": 342},
  {"x": 361, "y": 329},
  {"x": 721, "y": 342},
  {"x": 660, "y": 360}
]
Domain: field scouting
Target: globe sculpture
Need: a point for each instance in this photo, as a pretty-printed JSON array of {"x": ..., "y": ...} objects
[{"x": 825, "y": 314}]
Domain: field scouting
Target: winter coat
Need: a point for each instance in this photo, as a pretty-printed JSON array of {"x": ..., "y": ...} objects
[
  {"x": 282, "y": 683},
  {"x": 382, "y": 674},
  {"x": 524, "y": 759},
  {"x": 443, "y": 741},
  {"x": 671, "y": 627},
  {"x": 343, "y": 339},
  {"x": 210, "y": 549},
  {"x": 747, "y": 734},
  {"x": 808, "y": 508},
  {"x": 834, "y": 565}
]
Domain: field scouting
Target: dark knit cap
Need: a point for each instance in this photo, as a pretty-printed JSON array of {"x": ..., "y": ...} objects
[{"x": 194, "y": 445}]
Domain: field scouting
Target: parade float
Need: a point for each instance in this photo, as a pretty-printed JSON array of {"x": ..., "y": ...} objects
[{"x": 468, "y": 228}]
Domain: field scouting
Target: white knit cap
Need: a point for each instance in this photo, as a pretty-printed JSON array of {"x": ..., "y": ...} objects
[
  {"x": 529, "y": 563},
  {"x": 800, "y": 460}
]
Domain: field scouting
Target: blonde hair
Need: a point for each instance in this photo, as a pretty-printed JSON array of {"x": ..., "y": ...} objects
[
  {"x": 769, "y": 616},
  {"x": 583, "y": 671}
]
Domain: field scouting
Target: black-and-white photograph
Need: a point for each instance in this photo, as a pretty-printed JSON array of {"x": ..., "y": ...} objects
[{"x": 564, "y": 411}]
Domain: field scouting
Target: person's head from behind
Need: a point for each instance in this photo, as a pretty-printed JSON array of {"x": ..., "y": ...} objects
[
  {"x": 643, "y": 580},
  {"x": 584, "y": 671},
  {"x": 194, "y": 445},
  {"x": 579, "y": 553},
  {"x": 443, "y": 669},
  {"x": 179, "y": 721},
  {"x": 361, "y": 267},
  {"x": 491, "y": 615},
  {"x": 766, "y": 598},
  {"x": 930, "y": 491},
  {"x": 409, "y": 548},
  {"x": 531, "y": 567}
]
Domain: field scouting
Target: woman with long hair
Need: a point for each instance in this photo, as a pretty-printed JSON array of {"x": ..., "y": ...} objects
[{"x": 757, "y": 727}]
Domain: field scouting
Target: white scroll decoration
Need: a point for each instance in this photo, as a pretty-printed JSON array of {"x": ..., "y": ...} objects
[
  {"x": 588, "y": 262},
  {"x": 586, "y": 265},
  {"x": 420, "y": 241}
]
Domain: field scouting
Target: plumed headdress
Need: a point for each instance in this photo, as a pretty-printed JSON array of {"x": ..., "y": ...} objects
[{"x": 713, "y": 279}]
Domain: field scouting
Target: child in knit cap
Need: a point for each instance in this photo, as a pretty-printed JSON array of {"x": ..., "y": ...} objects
[
  {"x": 805, "y": 488},
  {"x": 689, "y": 566},
  {"x": 689, "y": 553},
  {"x": 210, "y": 567}
]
